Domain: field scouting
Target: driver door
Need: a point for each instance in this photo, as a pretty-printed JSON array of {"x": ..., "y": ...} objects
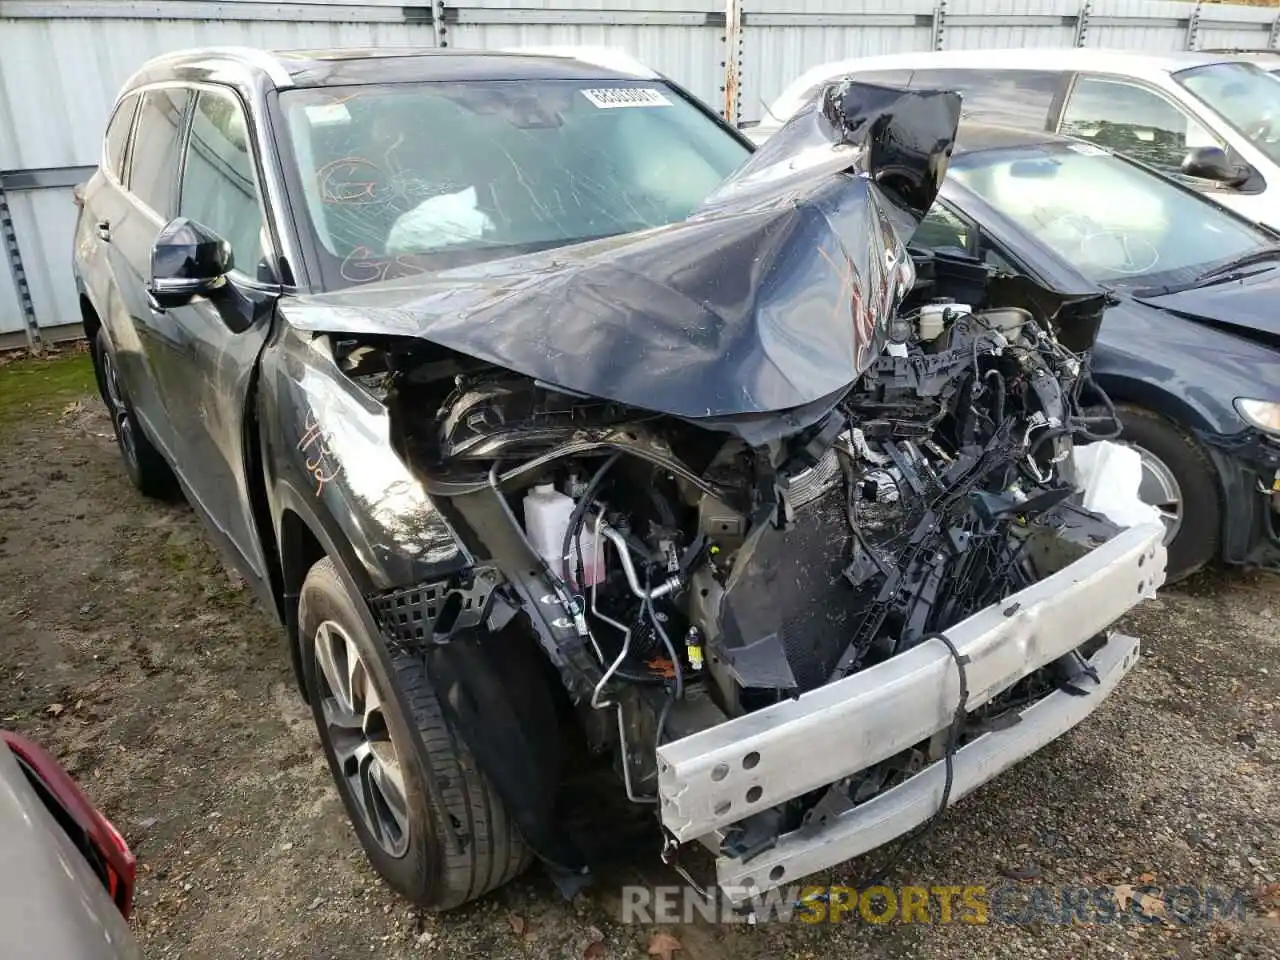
[{"x": 216, "y": 340}]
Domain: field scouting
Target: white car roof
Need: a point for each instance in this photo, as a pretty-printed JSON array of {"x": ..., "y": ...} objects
[{"x": 1143, "y": 66}]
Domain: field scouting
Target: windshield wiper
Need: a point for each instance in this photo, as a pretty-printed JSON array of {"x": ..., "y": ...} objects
[{"x": 1222, "y": 273}]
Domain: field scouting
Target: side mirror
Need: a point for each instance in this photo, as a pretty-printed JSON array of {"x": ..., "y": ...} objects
[
  {"x": 187, "y": 260},
  {"x": 1212, "y": 163}
]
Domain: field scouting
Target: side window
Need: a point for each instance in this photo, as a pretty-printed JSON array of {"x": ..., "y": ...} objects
[
  {"x": 1132, "y": 120},
  {"x": 118, "y": 136},
  {"x": 153, "y": 159},
  {"x": 1015, "y": 98},
  {"x": 219, "y": 184},
  {"x": 888, "y": 78},
  {"x": 941, "y": 228}
]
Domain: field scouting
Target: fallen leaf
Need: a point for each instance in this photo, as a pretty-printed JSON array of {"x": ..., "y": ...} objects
[
  {"x": 595, "y": 947},
  {"x": 1148, "y": 878},
  {"x": 1151, "y": 906},
  {"x": 1124, "y": 895},
  {"x": 663, "y": 945},
  {"x": 517, "y": 924},
  {"x": 55, "y": 709}
]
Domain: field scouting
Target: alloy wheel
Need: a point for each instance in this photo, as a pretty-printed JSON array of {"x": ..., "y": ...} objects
[
  {"x": 121, "y": 417},
  {"x": 357, "y": 732},
  {"x": 1160, "y": 489}
]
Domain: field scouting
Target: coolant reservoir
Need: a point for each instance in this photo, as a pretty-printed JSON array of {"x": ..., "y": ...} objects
[
  {"x": 547, "y": 512},
  {"x": 1008, "y": 320}
]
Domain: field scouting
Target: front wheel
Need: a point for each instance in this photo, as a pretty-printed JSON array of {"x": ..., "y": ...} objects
[
  {"x": 1178, "y": 480},
  {"x": 384, "y": 735}
]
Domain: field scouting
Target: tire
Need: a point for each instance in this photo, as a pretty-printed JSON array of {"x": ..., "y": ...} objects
[
  {"x": 145, "y": 465},
  {"x": 414, "y": 855},
  {"x": 1166, "y": 447}
]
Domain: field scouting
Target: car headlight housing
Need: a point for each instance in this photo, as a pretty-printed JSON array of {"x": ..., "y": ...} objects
[{"x": 1263, "y": 414}]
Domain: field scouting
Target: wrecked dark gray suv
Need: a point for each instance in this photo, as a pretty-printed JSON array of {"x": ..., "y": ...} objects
[{"x": 558, "y": 428}]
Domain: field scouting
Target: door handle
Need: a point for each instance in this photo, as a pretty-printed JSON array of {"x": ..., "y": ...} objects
[{"x": 104, "y": 230}]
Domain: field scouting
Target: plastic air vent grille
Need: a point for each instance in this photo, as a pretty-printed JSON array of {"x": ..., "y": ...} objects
[{"x": 409, "y": 616}]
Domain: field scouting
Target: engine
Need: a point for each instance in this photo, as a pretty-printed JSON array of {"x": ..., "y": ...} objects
[{"x": 711, "y": 577}]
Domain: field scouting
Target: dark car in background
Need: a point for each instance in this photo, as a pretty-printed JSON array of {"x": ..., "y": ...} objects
[{"x": 1189, "y": 349}]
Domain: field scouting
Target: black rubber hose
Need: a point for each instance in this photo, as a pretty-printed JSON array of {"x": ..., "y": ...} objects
[
  {"x": 578, "y": 517},
  {"x": 953, "y": 742},
  {"x": 1052, "y": 433},
  {"x": 1081, "y": 424}
]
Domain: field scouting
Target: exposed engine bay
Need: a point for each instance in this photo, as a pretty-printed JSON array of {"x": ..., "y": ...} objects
[
  {"x": 692, "y": 557},
  {"x": 709, "y": 578}
]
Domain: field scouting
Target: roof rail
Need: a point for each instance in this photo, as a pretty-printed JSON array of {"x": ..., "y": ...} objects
[
  {"x": 255, "y": 56},
  {"x": 611, "y": 58}
]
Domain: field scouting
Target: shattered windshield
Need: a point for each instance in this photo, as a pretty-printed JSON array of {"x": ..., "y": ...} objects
[
  {"x": 1109, "y": 218},
  {"x": 1246, "y": 97},
  {"x": 409, "y": 178}
]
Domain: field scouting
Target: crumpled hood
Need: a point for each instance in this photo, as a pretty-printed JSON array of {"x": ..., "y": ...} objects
[
  {"x": 1245, "y": 307},
  {"x": 773, "y": 295}
]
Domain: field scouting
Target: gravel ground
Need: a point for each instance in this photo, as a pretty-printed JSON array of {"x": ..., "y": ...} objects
[{"x": 149, "y": 670}]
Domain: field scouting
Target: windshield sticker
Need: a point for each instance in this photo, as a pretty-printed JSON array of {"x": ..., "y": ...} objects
[
  {"x": 607, "y": 99},
  {"x": 1088, "y": 149},
  {"x": 322, "y": 113}
]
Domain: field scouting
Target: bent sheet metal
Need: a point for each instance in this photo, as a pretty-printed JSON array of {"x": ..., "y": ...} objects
[{"x": 773, "y": 295}]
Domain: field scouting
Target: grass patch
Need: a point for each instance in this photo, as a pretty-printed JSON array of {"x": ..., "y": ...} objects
[{"x": 34, "y": 388}]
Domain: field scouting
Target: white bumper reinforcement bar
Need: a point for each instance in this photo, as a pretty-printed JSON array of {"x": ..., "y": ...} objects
[
  {"x": 910, "y": 804},
  {"x": 720, "y": 775}
]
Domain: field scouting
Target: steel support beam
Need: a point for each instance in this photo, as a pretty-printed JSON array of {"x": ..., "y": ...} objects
[
  {"x": 9, "y": 240},
  {"x": 354, "y": 12},
  {"x": 939, "y": 24},
  {"x": 733, "y": 41},
  {"x": 43, "y": 178},
  {"x": 1082, "y": 23},
  {"x": 1193, "y": 28},
  {"x": 439, "y": 21}
]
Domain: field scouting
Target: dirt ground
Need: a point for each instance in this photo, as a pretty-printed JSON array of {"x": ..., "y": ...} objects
[{"x": 151, "y": 673}]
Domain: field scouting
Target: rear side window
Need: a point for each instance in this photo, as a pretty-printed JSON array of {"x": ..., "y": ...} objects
[
  {"x": 153, "y": 161},
  {"x": 1016, "y": 98},
  {"x": 118, "y": 135},
  {"x": 1134, "y": 120}
]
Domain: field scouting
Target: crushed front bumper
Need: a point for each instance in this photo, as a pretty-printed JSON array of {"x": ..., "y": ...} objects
[
  {"x": 1248, "y": 466},
  {"x": 716, "y": 777}
]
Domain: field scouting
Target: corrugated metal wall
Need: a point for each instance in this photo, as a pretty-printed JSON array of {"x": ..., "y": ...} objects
[
  {"x": 61, "y": 64},
  {"x": 681, "y": 38}
]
